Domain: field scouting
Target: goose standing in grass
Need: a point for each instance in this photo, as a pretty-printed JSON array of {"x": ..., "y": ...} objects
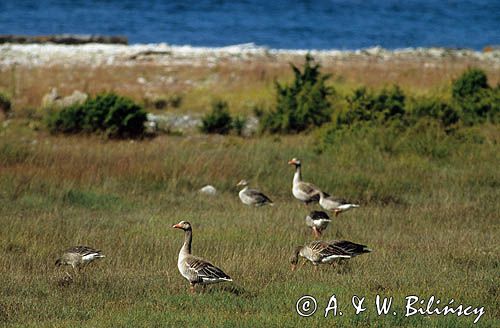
[
  {"x": 337, "y": 205},
  {"x": 79, "y": 256},
  {"x": 318, "y": 221},
  {"x": 252, "y": 196},
  {"x": 304, "y": 191},
  {"x": 195, "y": 269},
  {"x": 320, "y": 252}
]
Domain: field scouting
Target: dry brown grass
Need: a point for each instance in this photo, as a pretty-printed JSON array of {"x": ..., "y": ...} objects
[{"x": 243, "y": 83}]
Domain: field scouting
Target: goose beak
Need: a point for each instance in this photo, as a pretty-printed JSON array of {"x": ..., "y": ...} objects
[
  {"x": 177, "y": 226},
  {"x": 291, "y": 162},
  {"x": 294, "y": 267}
]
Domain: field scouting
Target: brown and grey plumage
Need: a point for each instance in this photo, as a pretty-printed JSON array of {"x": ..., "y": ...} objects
[
  {"x": 79, "y": 256},
  {"x": 303, "y": 191},
  {"x": 318, "y": 221},
  {"x": 194, "y": 269},
  {"x": 252, "y": 196},
  {"x": 320, "y": 252},
  {"x": 335, "y": 204}
]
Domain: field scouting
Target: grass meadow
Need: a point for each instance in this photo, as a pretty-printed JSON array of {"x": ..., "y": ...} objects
[{"x": 433, "y": 223}]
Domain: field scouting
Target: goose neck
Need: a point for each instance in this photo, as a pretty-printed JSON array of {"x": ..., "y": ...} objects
[
  {"x": 186, "y": 247},
  {"x": 297, "y": 177}
]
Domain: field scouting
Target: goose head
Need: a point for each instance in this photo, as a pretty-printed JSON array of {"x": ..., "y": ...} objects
[
  {"x": 294, "y": 161},
  {"x": 243, "y": 183},
  {"x": 184, "y": 225},
  {"x": 294, "y": 259}
]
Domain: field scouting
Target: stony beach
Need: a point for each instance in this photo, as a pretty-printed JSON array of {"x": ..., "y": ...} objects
[{"x": 33, "y": 55}]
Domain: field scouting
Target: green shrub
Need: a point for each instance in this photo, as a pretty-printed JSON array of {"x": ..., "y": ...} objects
[
  {"x": 475, "y": 99},
  {"x": 301, "y": 105},
  {"x": 113, "y": 115},
  {"x": 364, "y": 105},
  {"x": 239, "y": 124},
  {"x": 218, "y": 120},
  {"x": 436, "y": 109},
  {"x": 5, "y": 104},
  {"x": 68, "y": 120},
  {"x": 483, "y": 106},
  {"x": 175, "y": 101},
  {"x": 164, "y": 102},
  {"x": 160, "y": 103},
  {"x": 469, "y": 84}
]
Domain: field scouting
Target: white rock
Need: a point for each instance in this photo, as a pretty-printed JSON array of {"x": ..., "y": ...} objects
[{"x": 208, "y": 190}]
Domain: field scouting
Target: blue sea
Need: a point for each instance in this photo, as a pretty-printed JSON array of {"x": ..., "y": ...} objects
[{"x": 293, "y": 24}]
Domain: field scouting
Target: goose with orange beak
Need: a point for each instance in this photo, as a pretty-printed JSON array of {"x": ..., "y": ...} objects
[
  {"x": 304, "y": 191},
  {"x": 196, "y": 270}
]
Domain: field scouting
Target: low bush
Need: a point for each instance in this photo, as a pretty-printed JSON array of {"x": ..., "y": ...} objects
[
  {"x": 164, "y": 102},
  {"x": 469, "y": 84},
  {"x": 381, "y": 107},
  {"x": 5, "y": 104},
  {"x": 218, "y": 120},
  {"x": 480, "y": 107},
  {"x": 110, "y": 114},
  {"x": 433, "y": 108},
  {"x": 475, "y": 99},
  {"x": 239, "y": 124},
  {"x": 301, "y": 105}
]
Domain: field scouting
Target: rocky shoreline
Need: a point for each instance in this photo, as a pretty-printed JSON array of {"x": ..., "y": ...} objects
[{"x": 97, "y": 54}]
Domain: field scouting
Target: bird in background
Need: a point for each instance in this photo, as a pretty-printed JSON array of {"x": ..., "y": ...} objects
[
  {"x": 317, "y": 221},
  {"x": 304, "y": 191},
  {"x": 335, "y": 204},
  {"x": 252, "y": 197}
]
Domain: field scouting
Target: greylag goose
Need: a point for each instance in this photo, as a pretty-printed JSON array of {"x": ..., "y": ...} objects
[
  {"x": 337, "y": 205},
  {"x": 195, "y": 269},
  {"x": 252, "y": 196},
  {"x": 319, "y": 252},
  {"x": 79, "y": 256},
  {"x": 318, "y": 221},
  {"x": 303, "y": 191}
]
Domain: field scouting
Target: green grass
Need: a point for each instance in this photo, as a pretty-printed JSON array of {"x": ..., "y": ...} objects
[{"x": 432, "y": 221}]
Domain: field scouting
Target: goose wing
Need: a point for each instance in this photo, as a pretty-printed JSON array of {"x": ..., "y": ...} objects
[
  {"x": 204, "y": 271},
  {"x": 319, "y": 215},
  {"x": 83, "y": 250},
  {"x": 308, "y": 188},
  {"x": 350, "y": 248},
  {"x": 258, "y": 196},
  {"x": 87, "y": 253},
  {"x": 339, "y": 200},
  {"x": 327, "y": 251}
]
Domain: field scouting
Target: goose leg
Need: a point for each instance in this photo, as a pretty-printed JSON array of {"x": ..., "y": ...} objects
[{"x": 317, "y": 233}]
